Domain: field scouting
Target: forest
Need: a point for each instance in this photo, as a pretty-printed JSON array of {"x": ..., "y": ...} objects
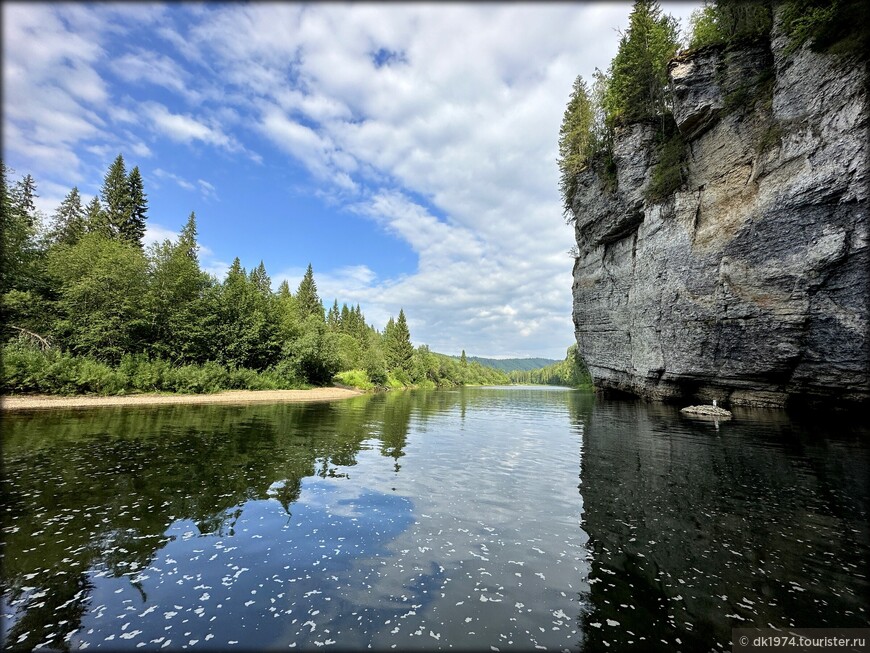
[{"x": 87, "y": 308}]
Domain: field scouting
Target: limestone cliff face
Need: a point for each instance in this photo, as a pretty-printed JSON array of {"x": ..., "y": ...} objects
[{"x": 749, "y": 284}]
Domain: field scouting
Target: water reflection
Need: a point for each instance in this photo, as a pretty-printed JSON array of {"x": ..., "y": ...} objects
[
  {"x": 268, "y": 526},
  {"x": 696, "y": 529}
]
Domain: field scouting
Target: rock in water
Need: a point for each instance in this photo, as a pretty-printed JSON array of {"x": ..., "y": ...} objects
[
  {"x": 750, "y": 282},
  {"x": 713, "y": 411}
]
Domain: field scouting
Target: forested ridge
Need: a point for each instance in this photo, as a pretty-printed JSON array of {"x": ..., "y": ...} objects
[{"x": 87, "y": 308}]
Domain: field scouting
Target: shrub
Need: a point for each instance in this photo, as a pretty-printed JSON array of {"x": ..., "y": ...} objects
[
  {"x": 667, "y": 176},
  {"x": 354, "y": 378}
]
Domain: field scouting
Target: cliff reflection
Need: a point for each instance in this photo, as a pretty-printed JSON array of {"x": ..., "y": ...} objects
[{"x": 695, "y": 531}]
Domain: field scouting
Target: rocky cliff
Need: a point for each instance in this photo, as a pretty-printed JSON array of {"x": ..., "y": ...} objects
[{"x": 749, "y": 284}]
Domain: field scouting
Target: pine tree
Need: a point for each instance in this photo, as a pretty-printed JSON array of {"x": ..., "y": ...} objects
[
  {"x": 69, "y": 219},
  {"x": 463, "y": 359},
  {"x": 116, "y": 198},
  {"x": 306, "y": 296},
  {"x": 134, "y": 228}
]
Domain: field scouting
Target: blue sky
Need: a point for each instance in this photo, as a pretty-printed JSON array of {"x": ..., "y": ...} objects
[{"x": 407, "y": 151}]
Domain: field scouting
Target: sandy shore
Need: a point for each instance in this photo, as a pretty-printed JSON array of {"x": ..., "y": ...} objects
[{"x": 229, "y": 397}]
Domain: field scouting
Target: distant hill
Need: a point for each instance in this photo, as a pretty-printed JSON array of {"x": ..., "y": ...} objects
[{"x": 511, "y": 364}]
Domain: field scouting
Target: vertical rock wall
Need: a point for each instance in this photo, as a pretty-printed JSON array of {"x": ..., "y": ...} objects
[{"x": 750, "y": 283}]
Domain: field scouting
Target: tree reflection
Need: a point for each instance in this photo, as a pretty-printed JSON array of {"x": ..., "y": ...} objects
[{"x": 98, "y": 489}]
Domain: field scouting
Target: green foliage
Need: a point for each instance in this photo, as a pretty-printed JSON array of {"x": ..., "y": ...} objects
[
  {"x": 117, "y": 203},
  {"x": 833, "y": 26},
  {"x": 69, "y": 220},
  {"x": 570, "y": 372},
  {"x": 667, "y": 176},
  {"x": 116, "y": 319},
  {"x": 634, "y": 89},
  {"x": 307, "y": 297},
  {"x": 101, "y": 284},
  {"x": 638, "y": 73},
  {"x": 398, "y": 349},
  {"x": 511, "y": 364},
  {"x": 576, "y": 141},
  {"x": 133, "y": 230},
  {"x": 354, "y": 379},
  {"x": 27, "y": 369},
  {"x": 704, "y": 27},
  {"x": 19, "y": 247}
]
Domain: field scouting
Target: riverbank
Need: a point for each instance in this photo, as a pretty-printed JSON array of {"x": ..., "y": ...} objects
[{"x": 36, "y": 402}]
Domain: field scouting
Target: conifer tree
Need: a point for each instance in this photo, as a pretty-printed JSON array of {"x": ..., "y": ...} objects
[
  {"x": 463, "y": 359},
  {"x": 187, "y": 238},
  {"x": 333, "y": 318},
  {"x": 397, "y": 345},
  {"x": 576, "y": 134},
  {"x": 261, "y": 280},
  {"x": 117, "y": 202},
  {"x": 17, "y": 230},
  {"x": 95, "y": 217},
  {"x": 23, "y": 196},
  {"x": 638, "y": 72},
  {"x": 134, "y": 227},
  {"x": 69, "y": 219},
  {"x": 306, "y": 296}
]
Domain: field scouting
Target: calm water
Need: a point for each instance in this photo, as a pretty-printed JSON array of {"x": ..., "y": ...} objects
[{"x": 477, "y": 519}]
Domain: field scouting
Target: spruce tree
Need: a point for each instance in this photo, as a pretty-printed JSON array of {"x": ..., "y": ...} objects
[
  {"x": 397, "y": 345},
  {"x": 260, "y": 279},
  {"x": 69, "y": 219},
  {"x": 117, "y": 201},
  {"x": 306, "y": 296},
  {"x": 95, "y": 218},
  {"x": 134, "y": 228},
  {"x": 333, "y": 318},
  {"x": 22, "y": 198},
  {"x": 638, "y": 73},
  {"x": 187, "y": 238}
]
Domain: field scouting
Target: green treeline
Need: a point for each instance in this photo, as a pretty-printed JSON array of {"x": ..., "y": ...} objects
[
  {"x": 86, "y": 308},
  {"x": 570, "y": 372},
  {"x": 634, "y": 89}
]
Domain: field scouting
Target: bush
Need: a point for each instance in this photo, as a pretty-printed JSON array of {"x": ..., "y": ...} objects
[
  {"x": 667, "y": 176},
  {"x": 355, "y": 379}
]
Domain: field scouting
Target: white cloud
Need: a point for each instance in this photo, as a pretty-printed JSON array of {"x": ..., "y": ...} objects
[
  {"x": 160, "y": 70},
  {"x": 436, "y": 123}
]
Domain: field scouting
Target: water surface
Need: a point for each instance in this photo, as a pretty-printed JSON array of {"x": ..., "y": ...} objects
[{"x": 472, "y": 519}]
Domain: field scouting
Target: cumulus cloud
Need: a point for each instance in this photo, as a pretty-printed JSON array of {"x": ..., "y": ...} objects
[{"x": 437, "y": 124}]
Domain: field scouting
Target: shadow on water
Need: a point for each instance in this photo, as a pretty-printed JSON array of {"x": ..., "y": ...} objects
[
  {"x": 108, "y": 489},
  {"x": 696, "y": 528}
]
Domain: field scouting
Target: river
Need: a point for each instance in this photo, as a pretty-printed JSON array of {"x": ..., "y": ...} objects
[{"x": 474, "y": 519}]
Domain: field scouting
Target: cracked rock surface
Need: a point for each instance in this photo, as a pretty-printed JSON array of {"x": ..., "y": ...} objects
[{"x": 750, "y": 284}]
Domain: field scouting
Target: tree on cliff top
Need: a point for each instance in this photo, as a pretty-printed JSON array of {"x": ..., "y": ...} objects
[
  {"x": 576, "y": 139},
  {"x": 638, "y": 75}
]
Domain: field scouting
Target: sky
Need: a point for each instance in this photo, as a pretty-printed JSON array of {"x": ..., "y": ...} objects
[{"x": 406, "y": 151}]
